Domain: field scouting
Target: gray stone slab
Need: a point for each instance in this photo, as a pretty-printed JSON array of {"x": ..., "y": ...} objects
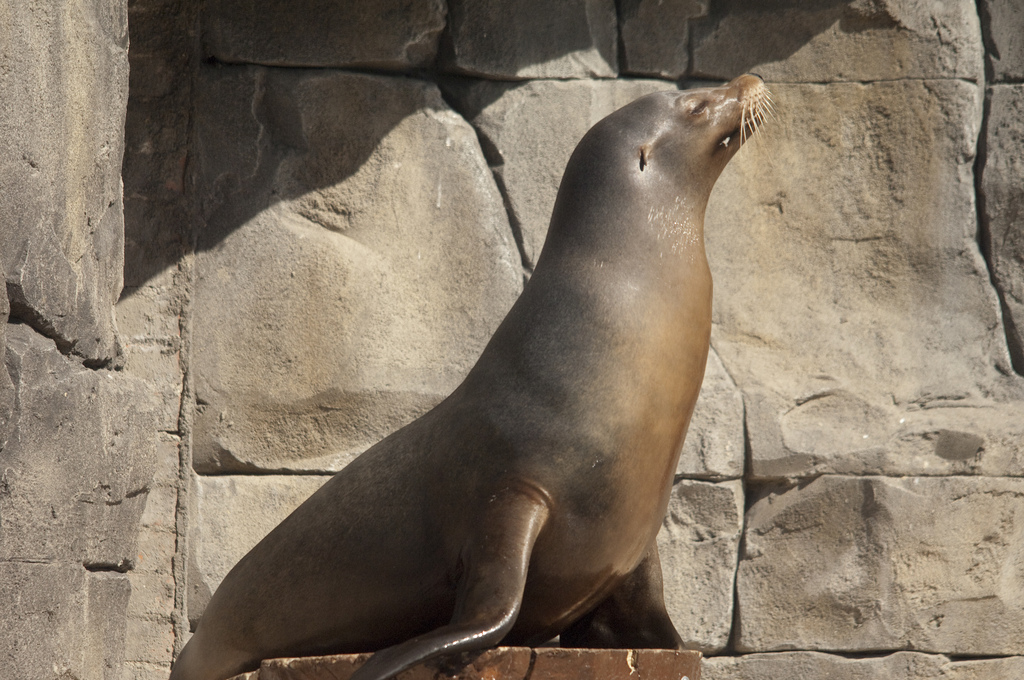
[
  {"x": 1003, "y": 201},
  {"x": 699, "y": 547},
  {"x": 714, "y": 446},
  {"x": 105, "y": 625},
  {"x": 393, "y": 34},
  {"x": 898, "y": 666},
  {"x": 874, "y": 563},
  {"x": 78, "y": 461},
  {"x": 1003, "y": 23},
  {"x": 655, "y": 35},
  {"x": 6, "y": 386},
  {"x": 850, "y": 292},
  {"x": 355, "y": 260},
  {"x": 840, "y": 433},
  {"x": 150, "y": 613},
  {"x": 233, "y": 513},
  {"x": 845, "y": 40},
  {"x": 64, "y": 75},
  {"x": 518, "y": 39},
  {"x": 42, "y": 631}
]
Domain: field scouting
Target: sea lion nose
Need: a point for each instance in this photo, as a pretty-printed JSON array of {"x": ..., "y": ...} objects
[{"x": 757, "y": 75}]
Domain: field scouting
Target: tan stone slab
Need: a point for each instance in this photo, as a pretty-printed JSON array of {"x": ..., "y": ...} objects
[
  {"x": 505, "y": 663},
  {"x": 516, "y": 39},
  {"x": 836, "y": 40},
  {"x": 852, "y": 305},
  {"x": 862, "y": 564},
  {"x": 355, "y": 259}
]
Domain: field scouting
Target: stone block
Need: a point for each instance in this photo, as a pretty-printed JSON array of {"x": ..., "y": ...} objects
[
  {"x": 845, "y": 40},
  {"x": 6, "y": 386},
  {"x": 850, "y": 292},
  {"x": 135, "y": 670},
  {"x": 1003, "y": 24},
  {"x": 151, "y": 609},
  {"x": 149, "y": 642},
  {"x": 42, "y": 630},
  {"x": 78, "y": 461},
  {"x": 840, "y": 433},
  {"x": 105, "y": 625},
  {"x": 157, "y": 220},
  {"x": 148, "y": 320},
  {"x": 699, "y": 547},
  {"x": 388, "y": 34},
  {"x": 61, "y": 621},
  {"x": 655, "y": 35},
  {"x": 898, "y": 666},
  {"x": 714, "y": 446},
  {"x": 355, "y": 259},
  {"x": 530, "y": 39},
  {"x": 64, "y": 75},
  {"x": 1002, "y": 199},
  {"x": 504, "y": 663},
  {"x": 232, "y": 514},
  {"x": 873, "y": 563}
]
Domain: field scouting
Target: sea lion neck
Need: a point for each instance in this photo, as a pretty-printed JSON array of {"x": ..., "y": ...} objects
[{"x": 652, "y": 233}]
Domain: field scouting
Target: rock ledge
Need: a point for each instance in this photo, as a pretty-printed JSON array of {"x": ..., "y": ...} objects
[{"x": 504, "y": 663}]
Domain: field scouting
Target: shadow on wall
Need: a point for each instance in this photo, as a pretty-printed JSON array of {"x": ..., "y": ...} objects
[
  {"x": 772, "y": 31},
  {"x": 234, "y": 179}
]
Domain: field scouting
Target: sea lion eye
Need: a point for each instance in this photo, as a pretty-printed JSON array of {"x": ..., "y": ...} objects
[{"x": 699, "y": 108}]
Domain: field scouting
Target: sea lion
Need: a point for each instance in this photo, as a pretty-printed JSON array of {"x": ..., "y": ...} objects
[{"x": 526, "y": 504}]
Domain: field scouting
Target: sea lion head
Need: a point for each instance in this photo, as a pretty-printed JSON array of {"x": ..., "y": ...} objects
[{"x": 660, "y": 154}]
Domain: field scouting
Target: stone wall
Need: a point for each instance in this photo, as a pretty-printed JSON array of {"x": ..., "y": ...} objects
[
  {"x": 328, "y": 207},
  {"x": 77, "y": 431}
]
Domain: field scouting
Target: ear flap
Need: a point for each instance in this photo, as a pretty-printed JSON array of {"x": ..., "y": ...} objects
[{"x": 645, "y": 150}]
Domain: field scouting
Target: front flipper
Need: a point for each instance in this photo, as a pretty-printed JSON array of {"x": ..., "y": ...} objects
[
  {"x": 490, "y": 591},
  {"x": 633, "y": 616}
]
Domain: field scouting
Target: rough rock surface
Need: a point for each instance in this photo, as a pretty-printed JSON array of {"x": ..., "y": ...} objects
[
  {"x": 895, "y": 298},
  {"x": 873, "y": 563},
  {"x": 61, "y": 621},
  {"x": 714, "y": 446},
  {"x": 389, "y": 34},
  {"x": 7, "y": 394},
  {"x": 839, "y": 40},
  {"x": 699, "y": 548},
  {"x": 1003, "y": 201},
  {"x": 73, "y": 479},
  {"x": 899, "y": 666},
  {"x": 234, "y": 512},
  {"x": 520, "y": 39},
  {"x": 149, "y": 641},
  {"x": 64, "y": 75},
  {"x": 157, "y": 229},
  {"x": 78, "y": 459},
  {"x": 656, "y": 35},
  {"x": 1003, "y": 23},
  {"x": 349, "y": 274},
  {"x": 840, "y": 433}
]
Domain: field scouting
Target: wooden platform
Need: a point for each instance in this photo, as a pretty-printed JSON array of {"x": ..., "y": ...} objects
[{"x": 504, "y": 663}]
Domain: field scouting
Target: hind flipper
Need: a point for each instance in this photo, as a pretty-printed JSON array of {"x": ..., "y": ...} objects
[{"x": 490, "y": 591}]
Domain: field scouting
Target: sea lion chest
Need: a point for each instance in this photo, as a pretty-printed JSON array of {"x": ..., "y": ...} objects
[{"x": 586, "y": 391}]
